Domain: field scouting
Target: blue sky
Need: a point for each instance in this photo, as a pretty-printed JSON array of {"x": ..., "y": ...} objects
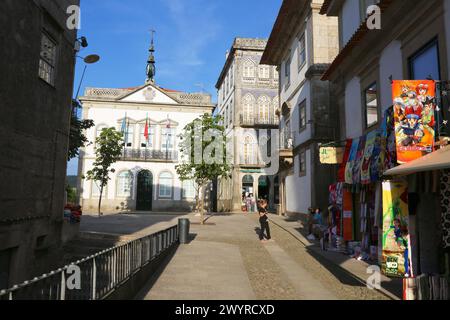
[{"x": 191, "y": 39}]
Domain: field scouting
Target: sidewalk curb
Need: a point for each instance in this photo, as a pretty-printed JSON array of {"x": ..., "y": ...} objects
[{"x": 306, "y": 243}]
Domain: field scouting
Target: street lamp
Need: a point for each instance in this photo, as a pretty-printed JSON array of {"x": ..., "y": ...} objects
[{"x": 90, "y": 59}]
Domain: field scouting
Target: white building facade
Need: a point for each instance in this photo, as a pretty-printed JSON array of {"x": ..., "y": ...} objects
[
  {"x": 302, "y": 44},
  {"x": 145, "y": 178},
  {"x": 247, "y": 100}
]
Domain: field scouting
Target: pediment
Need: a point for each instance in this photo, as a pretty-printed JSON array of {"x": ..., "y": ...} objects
[{"x": 148, "y": 94}]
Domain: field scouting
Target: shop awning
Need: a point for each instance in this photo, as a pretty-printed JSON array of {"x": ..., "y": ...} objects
[{"x": 434, "y": 161}]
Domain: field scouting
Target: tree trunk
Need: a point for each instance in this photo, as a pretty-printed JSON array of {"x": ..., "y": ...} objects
[
  {"x": 100, "y": 201},
  {"x": 202, "y": 205}
]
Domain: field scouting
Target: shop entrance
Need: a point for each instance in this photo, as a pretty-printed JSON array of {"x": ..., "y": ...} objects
[
  {"x": 263, "y": 188},
  {"x": 144, "y": 191},
  {"x": 247, "y": 184}
]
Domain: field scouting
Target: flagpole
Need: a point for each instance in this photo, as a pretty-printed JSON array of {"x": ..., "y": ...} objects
[
  {"x": 123, "y": 129},
  {"x": 167, "y": 137}
]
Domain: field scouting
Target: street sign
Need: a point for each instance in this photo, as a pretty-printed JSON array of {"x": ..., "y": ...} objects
[{"x": 331, "y": 155}]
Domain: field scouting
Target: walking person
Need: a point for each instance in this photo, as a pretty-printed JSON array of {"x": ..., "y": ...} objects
[{"x": 264, "y": 221}]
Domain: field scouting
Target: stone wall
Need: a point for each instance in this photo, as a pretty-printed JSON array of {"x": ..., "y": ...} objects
[{"x": 34, "y": 130}]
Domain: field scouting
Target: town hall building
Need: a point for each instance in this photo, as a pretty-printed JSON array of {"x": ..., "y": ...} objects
[{"x": 145, "y": 178}]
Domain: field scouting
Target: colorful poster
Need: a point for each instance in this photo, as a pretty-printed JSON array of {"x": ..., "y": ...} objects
[
  {"x": 358, "y": 161},
  {"x": 351, "y": 161},
  {"x": 367, "y": 157},
  {"x": 341, "y": 172},
  {"x": 378, "y": 155},
  {"x": 347, "y": 216},
  {"x": 414, "y": 107},
  {"x": 395, "y": 261}
]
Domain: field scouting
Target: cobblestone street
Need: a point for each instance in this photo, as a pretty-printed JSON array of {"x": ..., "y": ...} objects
[{"x": 226, "y": 260}]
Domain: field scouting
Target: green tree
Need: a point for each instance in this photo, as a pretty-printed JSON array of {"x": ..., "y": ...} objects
[
  {"x": 204, "y": 159},
  {"x": 77, "y": 137},
  {"x": 108, "y": 151}
]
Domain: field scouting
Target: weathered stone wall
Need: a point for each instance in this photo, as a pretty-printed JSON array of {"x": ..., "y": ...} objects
[{"x": 33, "y": 135}]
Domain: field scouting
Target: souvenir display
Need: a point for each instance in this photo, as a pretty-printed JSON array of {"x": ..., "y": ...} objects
[{"x": 395, "y": 256}]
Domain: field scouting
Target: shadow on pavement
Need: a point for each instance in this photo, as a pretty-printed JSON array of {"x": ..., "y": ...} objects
[{"x": 141, "y": 295}]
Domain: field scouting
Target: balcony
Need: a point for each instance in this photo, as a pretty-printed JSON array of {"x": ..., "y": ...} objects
[
  {"x": 251, "y": 161},
  {"x": 286, "y": 147},
  {"x": 270, "y": 122},
  {"x": 149, "y": 155}
]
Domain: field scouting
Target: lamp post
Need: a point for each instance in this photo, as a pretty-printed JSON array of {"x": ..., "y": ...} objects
[{"x": 90, "y": 59}]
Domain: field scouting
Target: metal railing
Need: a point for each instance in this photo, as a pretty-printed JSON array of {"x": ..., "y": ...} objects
[
  {"x": 270, "y": 121},
  {"x": 100, "y": 274},
  {"x": 147, "y": 155}
]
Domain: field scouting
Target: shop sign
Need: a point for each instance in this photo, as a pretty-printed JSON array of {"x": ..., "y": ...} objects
[{"x": 331, "y": 155}]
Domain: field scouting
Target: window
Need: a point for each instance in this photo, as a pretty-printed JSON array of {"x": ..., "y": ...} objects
[
  {"x": 124, "y": 184},
  {"x": 249, "y": 69},
  {"x": 144, "y": 143},
  {"x": 167, "y": 138},
  {"x": 188, "y": 189},
  {"x": 371, "y": 105},
  {"x": 264, "y": 109},
  {"x": 248, "y": 104},
  {"x": 47, "y": 61},
  {"x": 287, "y": 70},
  {"x": 425, "y": 63},
  {"x": 275, "y": 74},
  {"x": 302, "y": 111},
  {"x": 230, "y": 115},
  {"x": 232, "y": 75},
  {"x": 129, "y": 136},
  {"x": 249, "y": 150},
  {"x": 301, "y": 52},
  {"x": 264, "y": 72},
  {"x": 302, "y": 162},
  {"x": 165, "y": 185}
]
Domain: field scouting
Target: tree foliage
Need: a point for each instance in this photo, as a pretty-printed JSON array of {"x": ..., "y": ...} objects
[
  {"x": 108, "y": 151},
  {"x": 204, "y": 159},
  {"x": 77, "y": 137}
]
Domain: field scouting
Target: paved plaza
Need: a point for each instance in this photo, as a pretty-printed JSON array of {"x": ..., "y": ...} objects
[{"x": 226, "y": 260}]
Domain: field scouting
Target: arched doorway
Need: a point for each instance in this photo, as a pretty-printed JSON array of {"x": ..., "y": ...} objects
[
  {"x": 247, "y": 184},
  {"x": 144, "y": 191},
  {"x": 263, "y": 188}
]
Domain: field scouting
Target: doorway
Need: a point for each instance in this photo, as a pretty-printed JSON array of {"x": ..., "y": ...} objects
[
  {"x": 144, "y": 191},
  {"x": 264, "y": 188}
]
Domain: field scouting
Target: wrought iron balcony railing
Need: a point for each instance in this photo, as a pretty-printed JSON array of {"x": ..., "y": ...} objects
[{"x": 149, "y": 155}]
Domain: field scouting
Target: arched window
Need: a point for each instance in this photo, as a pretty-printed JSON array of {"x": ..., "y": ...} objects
[
  {"x": 124, "y": 184},
  {"x": 249, "y": 69},
  {"x": 249, "y": 107},
  {"x": 165, "y": 185},
  {"x": 264, "y": 104},
  {"x": 249, "y": 150}
]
